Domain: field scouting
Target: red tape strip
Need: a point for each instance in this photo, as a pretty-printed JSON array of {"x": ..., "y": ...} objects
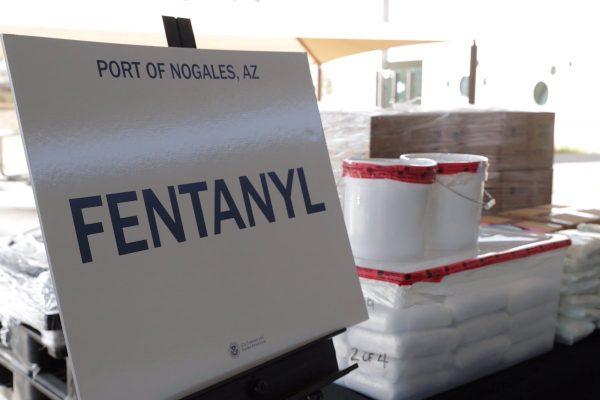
[
  {"x": 403, "y": 173},
  {"x": 458, "y": 168},
  {"x": 436, "y": 274}
]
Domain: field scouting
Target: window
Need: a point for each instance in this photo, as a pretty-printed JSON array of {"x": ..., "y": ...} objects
[
  {"x": 400, "y": 82},
  {"x": 540, "y": 93}
]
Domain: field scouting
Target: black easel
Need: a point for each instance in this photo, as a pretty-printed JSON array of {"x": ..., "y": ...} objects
[
  {"x": 179, "y": 32},
  {"x": 297, "y": 375}
]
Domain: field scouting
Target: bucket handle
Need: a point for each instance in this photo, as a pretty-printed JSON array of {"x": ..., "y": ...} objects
[{"x": 488, "y": 200}]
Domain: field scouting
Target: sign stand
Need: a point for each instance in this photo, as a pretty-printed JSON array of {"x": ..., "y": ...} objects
[
  {"x": 179, "y": 32},
  {"x": 297, "y": 375}
]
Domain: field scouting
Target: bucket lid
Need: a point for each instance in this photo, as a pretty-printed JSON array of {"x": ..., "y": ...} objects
[
  {"x": 453, "y": 163},
  {"x": 413, "y": 170}
]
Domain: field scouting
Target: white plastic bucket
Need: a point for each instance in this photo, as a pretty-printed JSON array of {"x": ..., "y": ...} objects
[
  {"x": 457, "y": 199},
  {"x": 385, "y": 205}
]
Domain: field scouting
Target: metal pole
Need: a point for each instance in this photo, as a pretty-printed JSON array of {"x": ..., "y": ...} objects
[
  {"x": 473, "y": 73},
  {"x": 319, "y": 82}
]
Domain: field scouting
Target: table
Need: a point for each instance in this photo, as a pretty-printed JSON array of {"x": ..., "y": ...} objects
[{"x": 567, "y": 373}]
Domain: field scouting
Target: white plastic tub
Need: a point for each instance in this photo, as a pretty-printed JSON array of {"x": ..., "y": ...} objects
[
  {"x": 457, "y": 198},
  {"x": 385, "y": 205}
]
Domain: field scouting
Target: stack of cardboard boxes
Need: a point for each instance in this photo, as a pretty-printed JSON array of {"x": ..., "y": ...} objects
[{"x": 519, "y": 145}]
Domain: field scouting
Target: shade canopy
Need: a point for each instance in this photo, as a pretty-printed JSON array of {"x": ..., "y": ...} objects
[
  {"x": 323, "y": 50},
  {"x": 320, "y": 49}
]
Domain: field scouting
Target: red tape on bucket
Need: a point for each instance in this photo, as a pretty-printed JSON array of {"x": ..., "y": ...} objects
[
  {"x": 458, "y": 168},
  {"x": 402, "y": 173},
  {"x": 436, "y": 274}
]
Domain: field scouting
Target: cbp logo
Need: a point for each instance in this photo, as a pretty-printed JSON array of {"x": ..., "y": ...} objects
[{"x": 234, "y": 350}]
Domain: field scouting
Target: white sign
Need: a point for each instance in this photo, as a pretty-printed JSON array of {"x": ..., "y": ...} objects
[{"x": 189, "y": 210}]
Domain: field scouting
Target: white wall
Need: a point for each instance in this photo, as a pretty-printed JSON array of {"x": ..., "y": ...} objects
[
  {"x": 352, "y": 81},
  {"x": 507, "y": 73}
]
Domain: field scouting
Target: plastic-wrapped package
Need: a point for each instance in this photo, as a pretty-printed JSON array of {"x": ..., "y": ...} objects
[
  {"x": 405, "y": 345},
  {"x": 533, "y": 314},
  {"x": 347, "y": 136},
  {"x": 585, "y": 313},
  {"x": 586, "y": 245},
  {"x": 417, "y": 317},
  {"x": 529, "y": 293},
  {"x": 594, "y": 228},
  {"x": 518, "y": 145},
  {"x": 579, "y": 266},
  {"x": 342, "y": 349},
  {"x": 585, "y": 300},
  {"x": 535, "y": 328},
  {"x": 484, "y": 327},
  {"x": 482, "y": 354},
  {"x": 580, "y": 292},
  {"x": 419, "y": 387},
  {"x": 26, "y": 289},
  {"x": 381, "y": 294},
  {"x": 575, "y": 277},
  {"x": 25, "y": 253},
  {"x": 581, "y": 287},
  {"x": 529, "y": 348},
  {"x": 477, "y": 303},
  {"x": 570, "y": 331},
  {"x": 502, "y": 307},
  {"x": 396, "y": 370}
]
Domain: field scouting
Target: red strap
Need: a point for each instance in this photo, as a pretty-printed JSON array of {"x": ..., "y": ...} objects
[
  {"x": 436, "y": 274},
  {"x": 458, "y": 168},
  {"x": 403, "y": 173}
]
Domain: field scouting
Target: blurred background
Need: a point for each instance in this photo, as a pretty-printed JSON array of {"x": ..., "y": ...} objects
[{"x": 366, "y": 57}]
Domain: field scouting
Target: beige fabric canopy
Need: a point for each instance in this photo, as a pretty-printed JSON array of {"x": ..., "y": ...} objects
[
  {"x": 320, "y": 50},
  {"x": 323, "y": 50}
]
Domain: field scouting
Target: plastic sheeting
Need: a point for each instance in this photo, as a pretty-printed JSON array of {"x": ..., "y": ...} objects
[
  {"x": 580, "y": 292},
  {"x": 443, "y": 324},
  {"x": 26, "y": 290},
  {"x": 347, "y": 136}
]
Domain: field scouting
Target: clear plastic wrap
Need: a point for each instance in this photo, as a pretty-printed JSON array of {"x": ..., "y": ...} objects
[
  {"x": 448, "y": 322},
  {"x": 570, "y": 331},
  {"x": 512, "y": 140},
  {"x": 347, "y": 136},
  {"x": 25, "y": 253},
  {"x": 586, "y": 246},
  {"x": 594, "y": 228},
  {"x": 580, "y": 301},
  {"x": 26, "y": 289},
  {"x": 519, "y": 146}
]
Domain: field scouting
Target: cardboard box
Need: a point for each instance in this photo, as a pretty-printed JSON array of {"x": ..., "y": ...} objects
[
  {"x": 527, "y": 188},
  {"x": 511, "y": 140},
  {"x": 566, "y": 217},
  {"x": 539, "y": 227},
  {"x": 495, "y": 220},
  {"x": 527, "y": 225},
  {"x": 592, "y": 211},
  {"x": 519, "y": 189}
]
